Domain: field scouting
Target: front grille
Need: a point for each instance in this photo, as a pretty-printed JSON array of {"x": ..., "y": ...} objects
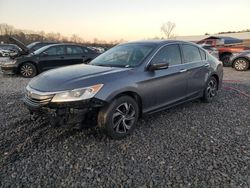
[
  {"x": 36, "y": 99},
  {"x": 35, "y": 103}
]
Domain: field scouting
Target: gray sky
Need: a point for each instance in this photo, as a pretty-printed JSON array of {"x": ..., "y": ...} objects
[{"x": 127, "y": 19}]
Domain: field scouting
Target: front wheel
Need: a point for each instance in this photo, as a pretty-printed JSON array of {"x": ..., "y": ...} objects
[
  {"x": 210, "y": 90},
  {"x": 241, "y": 64},
  {"x": 120, "y": 117},
  {"x": 28, "y": 70}
]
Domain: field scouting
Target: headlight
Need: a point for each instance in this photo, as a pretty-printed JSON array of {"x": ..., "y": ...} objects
[
  {"x": 10, "y": 62},
  {"x": 77, "y": 94}
]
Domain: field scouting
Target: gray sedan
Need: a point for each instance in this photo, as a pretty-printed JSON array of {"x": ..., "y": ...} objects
[{"x": 124, "y": 83}]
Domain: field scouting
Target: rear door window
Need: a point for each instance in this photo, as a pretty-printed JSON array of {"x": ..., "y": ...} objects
[
  {"x": 191, "y": 53},
  {"x": 73, "y": 50}
]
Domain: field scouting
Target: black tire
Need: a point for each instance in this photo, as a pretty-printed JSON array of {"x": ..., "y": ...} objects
[
  {"x": 28, "y": 70},
  {"x": 119, "y": 118},
  {"x": 226, "y": 60},
  {"x": 210, "y": 90},
  {"x": 241, "y": 64}
]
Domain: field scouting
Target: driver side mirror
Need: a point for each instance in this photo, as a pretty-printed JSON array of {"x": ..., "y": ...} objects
[{"x": 158, "y": 66}]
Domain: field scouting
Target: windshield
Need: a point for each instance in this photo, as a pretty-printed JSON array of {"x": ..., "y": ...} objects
[
  {"x": 40, "y": 50},
  {"x": 129, "y": 55}
]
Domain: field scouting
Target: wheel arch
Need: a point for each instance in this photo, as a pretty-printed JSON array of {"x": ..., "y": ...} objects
[
  {"x": 133, "y": 95},
  {"x": 243, "y": 57},
  {"x": 19, "y": 66},
  {"x": 217, "y": 78},
  {"x": 225, "y": 53}
]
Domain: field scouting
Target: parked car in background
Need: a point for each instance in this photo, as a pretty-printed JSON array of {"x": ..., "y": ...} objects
[
  {"x": 211, "y": 50},
  {"x": 48, "y": 57},
  {"x": 7, "y": 50},
  {"x": 25, "y": 50},
  {"x": 123, "y": 83},
  {"x": 241, "y": 61},
  {"x": 97, "y": 49},
  {"x": 4, "y": 53},
  {"x": 226, "y": 46}
]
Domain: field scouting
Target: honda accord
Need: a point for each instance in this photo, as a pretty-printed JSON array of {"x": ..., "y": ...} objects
[{"x": 124, "y": 83}]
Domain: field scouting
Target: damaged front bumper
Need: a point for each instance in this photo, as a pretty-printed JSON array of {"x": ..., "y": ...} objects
[
  {"x": 64, "y": 114},
  {"x": 8, "y": 68}
]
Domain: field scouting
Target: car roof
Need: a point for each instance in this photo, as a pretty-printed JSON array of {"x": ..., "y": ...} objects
[
  {"x": 44, "y": 42},
  {"x": 159, "y": 42},
  {"x": 62, "y": 44}
]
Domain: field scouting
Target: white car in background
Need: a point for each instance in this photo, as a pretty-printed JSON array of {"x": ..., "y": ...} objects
[
  {"x": 7, "y": 50},
  {"x": 97, "y": 49},
  {"x": 4, "y": 53}
]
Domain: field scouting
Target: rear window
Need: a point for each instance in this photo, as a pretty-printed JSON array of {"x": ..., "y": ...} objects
[
  {"x": 203, "y": 54},
  {"x": 191, "y": 53},
  {"x": 74, "y": 50}
]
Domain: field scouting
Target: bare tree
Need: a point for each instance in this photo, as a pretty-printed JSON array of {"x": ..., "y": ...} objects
[
  {"x": 76, "y": 39},
  {"x": 6, "y": 29},
  {"x": 29, "y": 36},
  {"x": 167, "y": 28}
]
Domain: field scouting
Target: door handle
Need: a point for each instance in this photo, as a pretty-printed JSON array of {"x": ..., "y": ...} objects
[
  {"x": 183, "y": 70},
  {"x": 206, "y": 65}
]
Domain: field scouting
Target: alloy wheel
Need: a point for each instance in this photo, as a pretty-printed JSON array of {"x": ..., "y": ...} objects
[
  {"x": 211, "y": 88},
  {"x": 240, "y": 64},
  {"x": 26, "y": 70},
  {"x": 123, "y": 117}
]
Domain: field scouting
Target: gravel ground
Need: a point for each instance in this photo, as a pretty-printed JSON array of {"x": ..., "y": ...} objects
[{"x": 192, "y": 145}]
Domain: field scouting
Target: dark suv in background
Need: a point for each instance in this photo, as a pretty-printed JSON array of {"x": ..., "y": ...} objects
[
  {"x": 123, "y": 83},
  {"x": 48, "y": 57}
]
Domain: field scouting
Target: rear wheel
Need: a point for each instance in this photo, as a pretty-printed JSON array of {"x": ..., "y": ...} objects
[
  {"x": 241, "y": 64},
  {"x": 120, "y": 117},
  {"x": 226, "y": 60},
  {"x": 210, "y": 90},
  {"x": 28, "y": 70}
]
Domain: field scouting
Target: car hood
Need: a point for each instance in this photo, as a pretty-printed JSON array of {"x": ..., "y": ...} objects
[
  {"x": 72, "y": 77},
  {"x": 24, "y": 48}
]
